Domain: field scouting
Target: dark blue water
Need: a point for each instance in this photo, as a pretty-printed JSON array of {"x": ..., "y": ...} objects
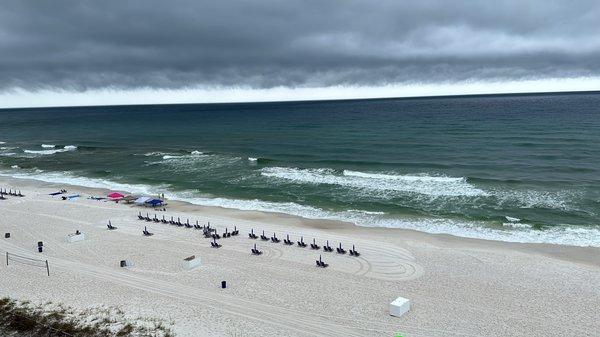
[{"x": 517, "y": 168}]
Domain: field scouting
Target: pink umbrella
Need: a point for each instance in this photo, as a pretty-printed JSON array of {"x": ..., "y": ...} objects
[{"x": 115, "y": 195}]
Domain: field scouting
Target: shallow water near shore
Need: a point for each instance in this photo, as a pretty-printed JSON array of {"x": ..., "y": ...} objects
[{"x": 514, "y": 168}]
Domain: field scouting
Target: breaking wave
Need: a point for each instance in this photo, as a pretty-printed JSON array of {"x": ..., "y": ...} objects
[
  {"x": 53, "y": 151},
  {"x": 421, "y": 184}
]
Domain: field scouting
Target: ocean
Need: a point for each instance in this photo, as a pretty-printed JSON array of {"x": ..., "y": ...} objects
[{"x": 520, "y": 168}]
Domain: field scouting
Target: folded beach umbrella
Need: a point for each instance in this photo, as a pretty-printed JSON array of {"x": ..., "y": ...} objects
[{"x": 115, "y": 195}]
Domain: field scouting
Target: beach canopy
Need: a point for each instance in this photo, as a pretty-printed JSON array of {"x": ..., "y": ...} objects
[
  {"x": 154, "y": 202},
  {"x": 142, "y": 200},
  {"x": 115, "y": 195}
]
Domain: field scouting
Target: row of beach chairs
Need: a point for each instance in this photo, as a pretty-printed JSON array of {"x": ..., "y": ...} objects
[
  {"x": 10, "y": 192},
  {"x": 301, "y": 243},
  {"x": 205, "y": 228}
]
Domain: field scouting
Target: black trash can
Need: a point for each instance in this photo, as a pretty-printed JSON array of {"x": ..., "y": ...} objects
[
  {"x": 40, "y": 244},
  {"x": 6, "y": 235},
  {"x": 223, "y": 284},
  {"x": 40, "y": 249}
]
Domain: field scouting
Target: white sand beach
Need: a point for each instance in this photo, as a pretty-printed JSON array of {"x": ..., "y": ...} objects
[{"x": 457, "y": 286}]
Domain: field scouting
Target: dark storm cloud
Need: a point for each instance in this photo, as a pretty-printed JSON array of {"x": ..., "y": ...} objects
[{"x": 79, "y": 45}]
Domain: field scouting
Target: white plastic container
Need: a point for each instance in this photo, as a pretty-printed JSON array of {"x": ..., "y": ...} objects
[{"x": 399, "y": 306}]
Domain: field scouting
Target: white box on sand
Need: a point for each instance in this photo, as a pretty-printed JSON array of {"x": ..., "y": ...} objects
[
  {"x": 191, "y": 262},
  {"x": 399, "y": 306},
  {"x": 75, "y": 237}
]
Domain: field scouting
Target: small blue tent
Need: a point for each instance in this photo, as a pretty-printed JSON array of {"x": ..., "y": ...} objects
[{"x": 154, "y": 202}]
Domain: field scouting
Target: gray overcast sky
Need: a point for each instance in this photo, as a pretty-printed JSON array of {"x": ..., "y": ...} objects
[{"x": 125, "y": 45}]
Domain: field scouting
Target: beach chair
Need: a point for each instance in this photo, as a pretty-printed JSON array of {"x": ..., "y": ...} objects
[
  {"x": 287, "y": 240},
  {"x": 214, "y": 244},
  {"x": 320, "y": 263},
  {"x": 263, "y": 237},
  {"x": 163, "y": 220},
  {"x": 178, "y": 223},
  {"x": 274, "y": 239},
  {"x": 226, "y": 234},
  {"x": 251, "y": 235},
  {"x": 353, "y": 252},
  {"x": 216, "y": 236},
  {"x": 147, "y": 218},
  {"x": 340, "y": 250},
  {"x": 155, "y": 219},
  {"x": 187, "y": 224},
  {"x": 256, "y": 251},
  {"x": 19, "y": 194},
  {"x": 235, "y": 231},
  {"x": 172, "y": 222},
  {"x": 110, "y": 226},
  {"x": 301, "y": 243},
  {"x": 327, "y": 248},
  {"x": 146, "y": 232},
  {"x": 314, "y": 245},
  {"x": 140, "y": 217}
]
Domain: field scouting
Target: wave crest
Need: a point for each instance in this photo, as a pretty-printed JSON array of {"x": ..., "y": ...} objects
[
  {"x": 437, "y": 186},
  {"x": 53, "y": 151}
]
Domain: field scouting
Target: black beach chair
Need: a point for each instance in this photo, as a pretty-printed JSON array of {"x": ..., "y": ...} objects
[
  {"x": 19, "y": 194},
  {"x": 235, "y": 231},
  {"x": 353, "y": 252},
  {"x": 327, "y": 247},
  {"x": 340, "y": 250},
  {"x": 274, "y": 239},
  {"x": 226, "y": 234},
  {"x": 320, "y": 263},
  {"x": 178, "y": 223},
  {"x": 172, "y": 222},
  {"x": 314, "y": 245},
  {"x": 187, "y": 224},
  {"x": 216, "y": 235},
  {"x": 146, "y": 232},
  {"x": 147, "y": 218},
  {"x": 251, "y": 235},
  {"x": 263, "y": 237},
  {"x": 256, "y": 251},
  {"x": 287, "y": 240},
  {"x": 110, "y": 226},
  {"x": 140, "y": 217},
  {"x": 214, "y": 243},
  {"x": 301, "y": 243},
  {"x": 155, "y": 219},
  {"x": 164, "y": 220}
]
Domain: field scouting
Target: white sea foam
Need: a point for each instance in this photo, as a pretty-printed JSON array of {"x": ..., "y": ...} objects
[
  {"x": 2, "y": 142},
  {"x": 511, "y": 219},
  {"x": 71, "y": 179},
  {"x": 48, "y": 146},
  {"x": 53, "y": 151},
  {"x": 566, "y": 235},
  {"x": 516, "y": 225},
  {"x": 252, "y": 159},
  {"x": 7, "y": 154},
  {"x": 15, "y": 167},
  {"x": 421, "y": 184}
]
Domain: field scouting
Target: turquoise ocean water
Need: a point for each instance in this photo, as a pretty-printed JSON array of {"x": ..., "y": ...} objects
[{"x": 522, "y": 168}]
